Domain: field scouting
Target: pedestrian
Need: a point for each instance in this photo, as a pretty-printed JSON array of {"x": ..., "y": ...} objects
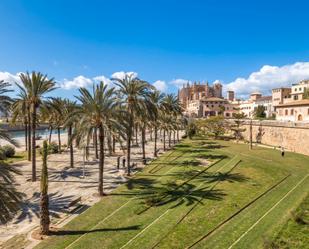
[{"x": 282, "y": 151}]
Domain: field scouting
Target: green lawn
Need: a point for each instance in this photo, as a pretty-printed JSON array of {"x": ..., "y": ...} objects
[
  {"x": 19, "y": 156},
  {"x": 202, "y": 194}
]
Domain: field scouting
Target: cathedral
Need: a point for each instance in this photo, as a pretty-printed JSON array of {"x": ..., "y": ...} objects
[
  {"x": 197, "y": 91},
  {"x": 203, "y": 100}
]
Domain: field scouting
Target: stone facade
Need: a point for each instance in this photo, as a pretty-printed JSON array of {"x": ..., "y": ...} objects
[
  {"x": 290, "y": 103},
  {"x": 197, "y": 91},
  {"x": 203, "y": 100},
  {"x": 292, "y": 136}
]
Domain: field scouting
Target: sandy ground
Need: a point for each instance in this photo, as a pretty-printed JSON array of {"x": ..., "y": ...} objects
[{"x": 66, "y": 184}]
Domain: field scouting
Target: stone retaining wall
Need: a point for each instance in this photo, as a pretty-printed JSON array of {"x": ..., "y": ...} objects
[{"x": 292, "y": 136}]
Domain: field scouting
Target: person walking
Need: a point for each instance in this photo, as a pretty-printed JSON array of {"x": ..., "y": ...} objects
[{"x": 282, "y": 151}]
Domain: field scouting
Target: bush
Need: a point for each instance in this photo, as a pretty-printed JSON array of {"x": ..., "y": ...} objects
[
  {"x": 8, "y": 150},
  {"x": 2, "y": 154},
  {"x": 53, "y": 148},
  {"x": 184, "y": 136}
]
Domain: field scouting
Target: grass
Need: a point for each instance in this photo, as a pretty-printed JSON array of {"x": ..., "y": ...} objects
[
  {"x": 192, "y": 191},
  {"x": 294, "y": 233},
  {"x": 19, "y": 156}
]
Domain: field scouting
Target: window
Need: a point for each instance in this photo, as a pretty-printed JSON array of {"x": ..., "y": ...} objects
[
  {"x": 286, "y": 112},
  {"x": 308, "y": 111},
  {"x": 292, "y": 111},
  {"x": 295, "y": 97},
  {"x": 300, "y": 89}
]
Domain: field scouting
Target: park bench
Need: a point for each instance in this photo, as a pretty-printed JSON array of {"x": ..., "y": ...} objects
[{"x": 73, "y": 205}]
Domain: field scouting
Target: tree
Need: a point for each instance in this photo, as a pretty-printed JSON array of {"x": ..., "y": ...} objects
[
  {"x": 20, "y": 113},
  {"x": 191, "y": 129},
  {"x": 156, "y": 99},
  {"x": 97, "y": 111},
  {"x": 10, "y": 198},
  {"x": 70, "y": 107},
  {"x": 44, "y": 203},
  {"x": 237, "y": 126},
  {"x": 259, "y": 112},
  {"x": 34, "y": 86},
  {"x": 215, "y": 126},
  {"x": 132, "y": 94}
]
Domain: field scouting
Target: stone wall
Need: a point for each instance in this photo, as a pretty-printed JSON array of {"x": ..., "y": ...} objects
[{"x": 292, "y": 136}]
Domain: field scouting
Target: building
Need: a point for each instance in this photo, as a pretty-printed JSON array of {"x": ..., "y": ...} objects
[
  {"x": 248, "y": 107},
  {"x": 230, "y": 96},
  {"x": 203, "y": 100},
  {"x": 291, "y": 103}
]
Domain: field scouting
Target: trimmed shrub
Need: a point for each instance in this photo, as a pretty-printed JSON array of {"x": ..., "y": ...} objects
[{"x": 8, "y": 150}]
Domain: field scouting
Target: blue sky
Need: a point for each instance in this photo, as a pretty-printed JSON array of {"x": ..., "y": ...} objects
[{"x": 247, "y": 45}]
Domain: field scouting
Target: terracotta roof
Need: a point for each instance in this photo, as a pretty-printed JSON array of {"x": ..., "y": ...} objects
[{"x": 295, "y": 103}]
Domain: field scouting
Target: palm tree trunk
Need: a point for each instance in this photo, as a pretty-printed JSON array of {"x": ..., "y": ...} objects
[
  {"x": 143, "y": 144},
  {"x": 114, "y": 144},
  {"x": 136, "y": 133},
  {"x": 29, "y": 135},
  {"x": 50, "y": 134},
  {"x": 26, "y": 135},
  {"x": 109, "y": 144},
  {"x": 33, "y": 145},
  {"x": 174, "y": 137},
  {"x": 44, "y": 202},
  {"x": 129, "y": 152},
  {"x": 59, "y": 140},
  {"x": 101, "y": 160},
  {"x": 169, "y": 138},
  {"x": 164, "y": 140},
  {"x": 155, "y": 141},
  {"x": 177, "y": 135},
  {"x": 95, "y": 141},
  {"x": 71, "y": 146},
  {"x": 150, "y": 132}
]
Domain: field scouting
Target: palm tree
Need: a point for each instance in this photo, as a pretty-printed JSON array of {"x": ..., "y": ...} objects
[
  {"x": 5, "y": 101},
  {"x": 172, "y": 109},
  {"x": 156, "y": 98},
  {"x": 34, "y": 86},
  {"x": 70, "y": 107},
  {"x": 10, "y": 198},
  {"x": 20, "y": 114},
  {"x": 44, "y": 203},
  {"x": 55, "y": 110},
  {"x": 132, "y": 92},
  {"x": 97, "y": 111}
]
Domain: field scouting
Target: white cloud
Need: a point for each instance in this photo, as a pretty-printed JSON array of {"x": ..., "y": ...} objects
[
  {"x": 79, "y": 81},
  {"x": 106, "y": 80},
  {"x": 120, "y": 75},
  {"x": 216, "y": 82},
  {"x": 160, "y": 85},
  {"x": 269, "y": 77},
  {"x": 180, "y": 82},
  {"x": 10, "y": 78}
]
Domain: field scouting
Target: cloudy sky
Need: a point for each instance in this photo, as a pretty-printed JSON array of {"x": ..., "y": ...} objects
[{"x": 247, "y": 45}]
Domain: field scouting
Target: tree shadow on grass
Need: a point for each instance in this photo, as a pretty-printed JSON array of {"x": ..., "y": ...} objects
[
  {"x": 171, "y": 193},
  {"x": 139, "y": 183},
  {"x": 81, "y": 232},
  {"x": 31, "y": 207}
]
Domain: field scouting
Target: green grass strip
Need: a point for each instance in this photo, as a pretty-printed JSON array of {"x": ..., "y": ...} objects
[
  {"x": 191, "y": 209},
  {"x": 237, "y": 212}
]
